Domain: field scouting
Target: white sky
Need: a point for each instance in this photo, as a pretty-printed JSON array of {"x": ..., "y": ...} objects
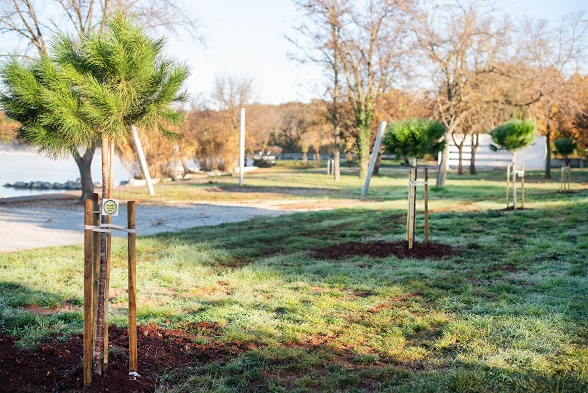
[{"x": 247, "y": 37}]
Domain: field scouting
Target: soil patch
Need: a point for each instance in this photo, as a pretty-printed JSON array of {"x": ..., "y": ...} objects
[
  {"x": 385, "y": 249},
  {"x": 57, "y": 366}
]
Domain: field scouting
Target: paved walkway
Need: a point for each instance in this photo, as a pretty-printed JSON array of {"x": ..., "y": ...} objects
[{"x": 33, "y": 222}]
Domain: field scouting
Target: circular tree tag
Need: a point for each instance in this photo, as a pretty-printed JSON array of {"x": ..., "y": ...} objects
[{"x": 110, "y": 207}]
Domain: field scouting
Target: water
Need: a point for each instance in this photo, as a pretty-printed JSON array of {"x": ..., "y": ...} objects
[{"x": 25, "y": 164}]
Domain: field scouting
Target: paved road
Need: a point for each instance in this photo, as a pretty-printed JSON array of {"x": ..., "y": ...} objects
[{"x": 34, "y": 224}]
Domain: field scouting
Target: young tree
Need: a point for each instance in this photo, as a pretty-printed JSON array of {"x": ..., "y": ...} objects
[
  {"x": 513, "y": 136},
  {"x": 94, "y": 89},
  {"x": 29, "y": 20},
  {"x": 323, "y": 30},
  {"x": 414, "y": 138},
  {"x": 564, "y": 147}
]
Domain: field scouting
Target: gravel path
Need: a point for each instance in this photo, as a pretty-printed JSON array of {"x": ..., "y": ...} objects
[{"x": 55, "y": 221}]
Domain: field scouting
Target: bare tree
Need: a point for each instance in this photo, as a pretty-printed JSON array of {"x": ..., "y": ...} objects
[
  {"x": 551, "y": 55},
  {"x": 231, "y": 93},
  {"x": 373, "y": 48},
  {"x": 460, "y": 44},
  {"x": 323, "y": 29}
]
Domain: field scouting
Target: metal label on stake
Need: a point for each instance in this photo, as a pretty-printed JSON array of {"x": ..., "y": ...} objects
[{"x": 110, "y": 207}]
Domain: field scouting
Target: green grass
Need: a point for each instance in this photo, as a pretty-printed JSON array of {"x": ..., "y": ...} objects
[{"x": 508, "y": 314}]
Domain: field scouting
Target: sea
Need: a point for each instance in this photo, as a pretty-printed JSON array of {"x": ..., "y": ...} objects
[{"x": 19, "y": 163}]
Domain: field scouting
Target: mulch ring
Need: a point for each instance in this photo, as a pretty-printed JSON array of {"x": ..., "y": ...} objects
[
  {"x": 57, "y": 366},
  {"x": 382, "y": 249}
]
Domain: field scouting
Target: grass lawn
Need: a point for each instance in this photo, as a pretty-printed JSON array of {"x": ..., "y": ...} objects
[{"x": 508, "y": 313}]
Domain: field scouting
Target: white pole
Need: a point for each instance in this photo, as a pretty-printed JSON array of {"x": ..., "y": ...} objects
[
  {"x": 375, "y": 152},
  {"x": 242, "y": 147},
  {"x": 142, "y": 160}
]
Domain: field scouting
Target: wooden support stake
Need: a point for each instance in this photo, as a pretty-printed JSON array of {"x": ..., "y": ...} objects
[
  {"x": 507, "y": 186},
  {"x": 95, "y": 262},
  {"x": 408, "y": 221},
  {"x": 414, "y": 198},
  {"x": 569, "y": 177},
  {"x": 107, "y": 297},
  {"x": 523, "y": 187},
  {"x": 88, "y": 316},
  {"x": 132, "y": 288},
  {"x": 561, "y": 186},
  {"x": 426, "y": 240}
]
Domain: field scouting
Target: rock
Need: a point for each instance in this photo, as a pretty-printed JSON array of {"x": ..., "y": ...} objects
[{"x": 43, "y": 185}]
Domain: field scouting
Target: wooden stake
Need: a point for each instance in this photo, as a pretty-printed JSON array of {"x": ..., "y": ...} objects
[
  {"x": 414, "y": 198},
  {"x": 523, "y": 187},
  {"x": 132, "y": 288},
  {"x": 95, "y": 263},
  {"x": 88, "y": 315},
  {"x": 408, "y": 221},
  {"x": 514, "y": 181},
  {"x": 426, "y": 240},
  {"x": 561, "y": 186},
  {"x": 569, "y": 177},
  {"x": 107, "y": 298},
  {"x": 507, "y": 185}
]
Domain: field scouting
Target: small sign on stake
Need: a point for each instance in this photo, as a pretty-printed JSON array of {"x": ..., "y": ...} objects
[{"x": 110, "y": 207}]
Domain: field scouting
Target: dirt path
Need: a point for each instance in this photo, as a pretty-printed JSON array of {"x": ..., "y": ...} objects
[{"x": 28, "y": 224}]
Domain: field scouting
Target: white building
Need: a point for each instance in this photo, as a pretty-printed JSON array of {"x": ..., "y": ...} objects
[{"x": 533, "y": 157}]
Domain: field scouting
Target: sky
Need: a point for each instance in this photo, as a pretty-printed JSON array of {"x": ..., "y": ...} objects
[{"x": 247, "y": 37}]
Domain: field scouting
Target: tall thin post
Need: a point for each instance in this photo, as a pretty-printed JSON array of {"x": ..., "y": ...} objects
[
  {"x": 561, "y": 183},
  {"x": 374, "y": 157},
  {"x": 88, "y": 315},
  {"x": 569, "y": 177},
  {"x": 426, "y": 240},
  {"x": 242, "y": 147},
  {"x": 414, "y": 188},
  {"x": 408, "y": 220},
  {"x": 132, "y": 260},
  {"x": 523, "y": 187},
  {"x": 507, "y": 185},
  {"x": 514, "y": 181},
  {"x": 142, "y": 160}
]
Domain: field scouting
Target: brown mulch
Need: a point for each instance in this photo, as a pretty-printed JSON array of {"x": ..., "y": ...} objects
[
  {"x": 57, "y": 366},
  {"x": 382, "y": 249}
]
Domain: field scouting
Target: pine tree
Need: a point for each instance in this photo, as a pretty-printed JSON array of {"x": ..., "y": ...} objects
[{"x": 90, "y": 90}]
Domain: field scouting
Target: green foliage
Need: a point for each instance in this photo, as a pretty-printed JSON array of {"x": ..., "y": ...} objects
[
  {"x": 415, "y": 138},
  {"x": 100, "y": 85},
  {"x": 513, "y": 135},
  {"x": 565, "y": 146}
]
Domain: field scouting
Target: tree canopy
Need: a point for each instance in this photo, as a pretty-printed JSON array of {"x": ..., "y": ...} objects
[
  {"x": 513, "y": 135},
  {"x": 565, "y": 146},
  {"x": 415, "y": 138}
]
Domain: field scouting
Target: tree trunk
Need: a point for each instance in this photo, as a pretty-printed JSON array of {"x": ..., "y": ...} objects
[
  {"x": 473, "y": 150},
  {"x": 336, "y": 154},
  {"x": 514, "y": 180},
  {"x": 378, "y": 163},
  {"x": 442, "y": 173},
  {"x": 363, "y": 142},
  {"x": 100, "y": 355},
  {"x": 460, "y": 159},
  {"x": 84, "y": 163},
  {"x": 548, "y": 153},
  {"x": 459, "y": 153}
]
